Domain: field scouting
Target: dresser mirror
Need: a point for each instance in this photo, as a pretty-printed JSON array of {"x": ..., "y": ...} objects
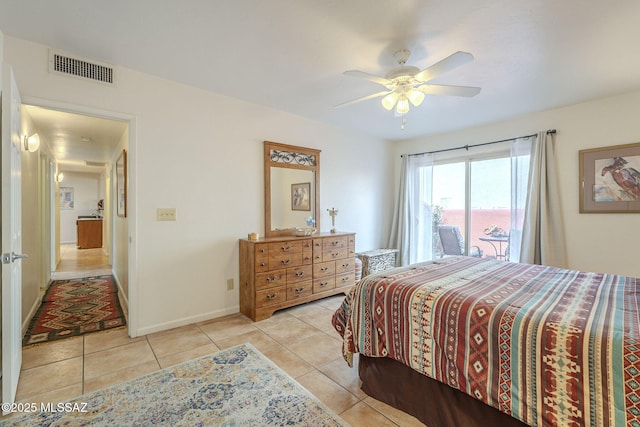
[{"x": 291, "y": 188}]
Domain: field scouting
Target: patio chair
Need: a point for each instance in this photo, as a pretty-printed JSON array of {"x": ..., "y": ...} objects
[{"x": 453, "y": 242}]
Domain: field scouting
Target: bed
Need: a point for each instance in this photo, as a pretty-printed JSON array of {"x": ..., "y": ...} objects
[{"x": 466, "y": 341}]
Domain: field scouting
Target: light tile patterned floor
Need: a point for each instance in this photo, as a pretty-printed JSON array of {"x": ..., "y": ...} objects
[{"x": 300, "y": 340}]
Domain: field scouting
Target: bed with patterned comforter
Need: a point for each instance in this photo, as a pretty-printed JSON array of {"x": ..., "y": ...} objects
[{"x": 548, "y": 346}]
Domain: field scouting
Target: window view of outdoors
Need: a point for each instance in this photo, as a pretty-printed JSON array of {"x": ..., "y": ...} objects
[
  {"x": 490, "y": 200},
  {"x": 491, "y": 206}
]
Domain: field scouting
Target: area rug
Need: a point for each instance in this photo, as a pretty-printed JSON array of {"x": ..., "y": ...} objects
[
  {"x": 75, "y": 307},
  {"x": 234, "y": 387}
]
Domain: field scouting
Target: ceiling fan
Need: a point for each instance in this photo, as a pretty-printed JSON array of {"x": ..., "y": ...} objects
[{"x": 407, "y": 84}]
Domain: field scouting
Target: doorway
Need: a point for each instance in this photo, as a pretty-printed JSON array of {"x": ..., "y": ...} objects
[{"x": 82, "y": 142}]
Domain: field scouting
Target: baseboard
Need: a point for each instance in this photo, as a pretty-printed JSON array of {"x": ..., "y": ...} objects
[
  {"x": 188, "y": 320},
  {"x": 122, "y": 296},
  {"x": 32, "y": 312}
]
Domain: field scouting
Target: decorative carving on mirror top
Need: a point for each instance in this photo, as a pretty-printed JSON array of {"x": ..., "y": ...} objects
[{"x": 291, "y": 157}]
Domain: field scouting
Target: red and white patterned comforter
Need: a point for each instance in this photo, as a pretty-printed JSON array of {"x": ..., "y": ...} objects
[{"x": 548, "y": 346}]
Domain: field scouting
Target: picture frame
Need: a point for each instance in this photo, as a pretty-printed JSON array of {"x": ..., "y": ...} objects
[
  {"x": 66, "y": 198},
  {"x": 300, "y": 196},
  {"x": 121, "y": 184},
  {"x": 610, "y": 179}
]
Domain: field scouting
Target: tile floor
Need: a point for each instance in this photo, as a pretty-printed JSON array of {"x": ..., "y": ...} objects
[{"x": 300, "y": 340}]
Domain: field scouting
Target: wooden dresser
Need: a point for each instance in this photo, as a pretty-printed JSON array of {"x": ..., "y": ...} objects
[{"x": 280, "y": 272}]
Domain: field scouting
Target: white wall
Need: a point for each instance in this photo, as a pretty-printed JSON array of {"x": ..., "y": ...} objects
[
  {"x": 88, "y": 188},
  {"x": 201, "y": 153},
  {"x": 32, "y": 230},
  {"x": 595, "y": 242}
]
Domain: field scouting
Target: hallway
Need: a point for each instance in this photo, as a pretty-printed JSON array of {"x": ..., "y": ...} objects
[{"x": 76, "y": 262}]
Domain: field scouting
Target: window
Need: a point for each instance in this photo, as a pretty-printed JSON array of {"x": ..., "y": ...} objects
[{"x": 475, "y": 194}]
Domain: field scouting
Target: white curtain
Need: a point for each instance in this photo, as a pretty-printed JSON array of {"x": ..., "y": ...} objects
[
  {"x": 412, "y": 227},
  {"x": 542, "y": 231},
  {"x": 520, "y": 161}
]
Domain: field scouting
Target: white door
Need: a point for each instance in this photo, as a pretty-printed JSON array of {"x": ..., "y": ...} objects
[{"x": 11, "y": 237}]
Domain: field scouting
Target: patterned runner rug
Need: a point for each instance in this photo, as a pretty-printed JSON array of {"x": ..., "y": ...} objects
[
  {"x": 75, "y": 307},
  {"x": 234, "y": 387}
]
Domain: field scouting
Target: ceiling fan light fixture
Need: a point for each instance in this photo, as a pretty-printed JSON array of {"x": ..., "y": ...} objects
[
  {"x": 416, "y": 97},
  {"x": 402, "y": 107},
  {"x": 389, "y": 101}
]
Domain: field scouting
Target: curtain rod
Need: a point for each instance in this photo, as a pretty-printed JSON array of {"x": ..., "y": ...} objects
[{"x": 466, "y": 147}]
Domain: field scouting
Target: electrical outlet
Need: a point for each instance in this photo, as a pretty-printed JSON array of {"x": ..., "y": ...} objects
[
  {"x": 166, "y": 214},
  {"x": 229, "y": 284}
]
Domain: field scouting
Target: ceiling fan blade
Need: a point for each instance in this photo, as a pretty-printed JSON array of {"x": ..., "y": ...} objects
[
  {"x": 431, "y": 89},
  {"x": 367, "y": 76},
  {"x": 447, "y": 64},
  {"x": 364, "y": 98}
]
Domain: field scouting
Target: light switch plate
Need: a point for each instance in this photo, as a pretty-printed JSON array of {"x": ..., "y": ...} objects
[{"x": 166, "y": 214}]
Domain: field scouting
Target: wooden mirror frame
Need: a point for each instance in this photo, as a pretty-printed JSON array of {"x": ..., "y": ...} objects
[{"x": 276, "y": 161}]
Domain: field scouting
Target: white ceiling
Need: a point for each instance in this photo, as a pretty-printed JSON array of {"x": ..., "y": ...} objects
[
  {"x": 78, "y": 143},
  {"x": 289, "y": 55}
]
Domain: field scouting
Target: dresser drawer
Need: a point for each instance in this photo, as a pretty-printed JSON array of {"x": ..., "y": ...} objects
[
  {"x": 271, "y": 296},
  {"x": 262, "y": 264},
  {"x": 347, "y": 279},
  {"x": 271, "y": 279},
  {"x": 317, "y": 250},
  {"x": 283, "y": 248},
  {"x": 307, "y": 256},
  {"x": 334, "y": 253},
  {"x": 285, "y": 260},
  {"x": 299, "y": 290},
  {"x": 261, "y": 250},
  {"x": 334, "y": 242},
  {"x": 324, "y": 284},
  {"x": 324, "y": 269},
  {"x": 299, "y": 274},
  {"x": 346, "y": 265}
]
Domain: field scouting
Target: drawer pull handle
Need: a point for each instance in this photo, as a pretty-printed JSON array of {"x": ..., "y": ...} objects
[
  {"x": 299, "y": 290},
  {"x": 264, "y": 264},
  {"x": 285, "y": 248},
  {"x": 299, "y": 273},
  {"x": 271, "y": 297},
  {"x": 345, "y": 265},
  {"x": 324, "y": 284},
  {"x": 335, "y": 243},
  {"x": 346, "y": 279},
  {"x": 335, "y": 254},
  {"x": 262, "y": 251},
  {"x": 272, "y": 279},
  {"x": 323, "y": 269},
  {"x": 286, "y": 261}
]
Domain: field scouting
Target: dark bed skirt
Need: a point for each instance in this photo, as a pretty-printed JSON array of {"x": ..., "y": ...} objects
[{"x": 432, "y": 402}]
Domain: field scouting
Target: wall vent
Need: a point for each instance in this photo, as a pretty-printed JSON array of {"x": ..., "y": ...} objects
[
  {"x": 90, "y": 163},
  {"x": 82, "y": 68}
]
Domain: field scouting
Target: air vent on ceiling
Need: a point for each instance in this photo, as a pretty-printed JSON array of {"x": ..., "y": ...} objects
[
  {"x": 79, "y": 67},
  {"x": 89, "y": 163}
]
